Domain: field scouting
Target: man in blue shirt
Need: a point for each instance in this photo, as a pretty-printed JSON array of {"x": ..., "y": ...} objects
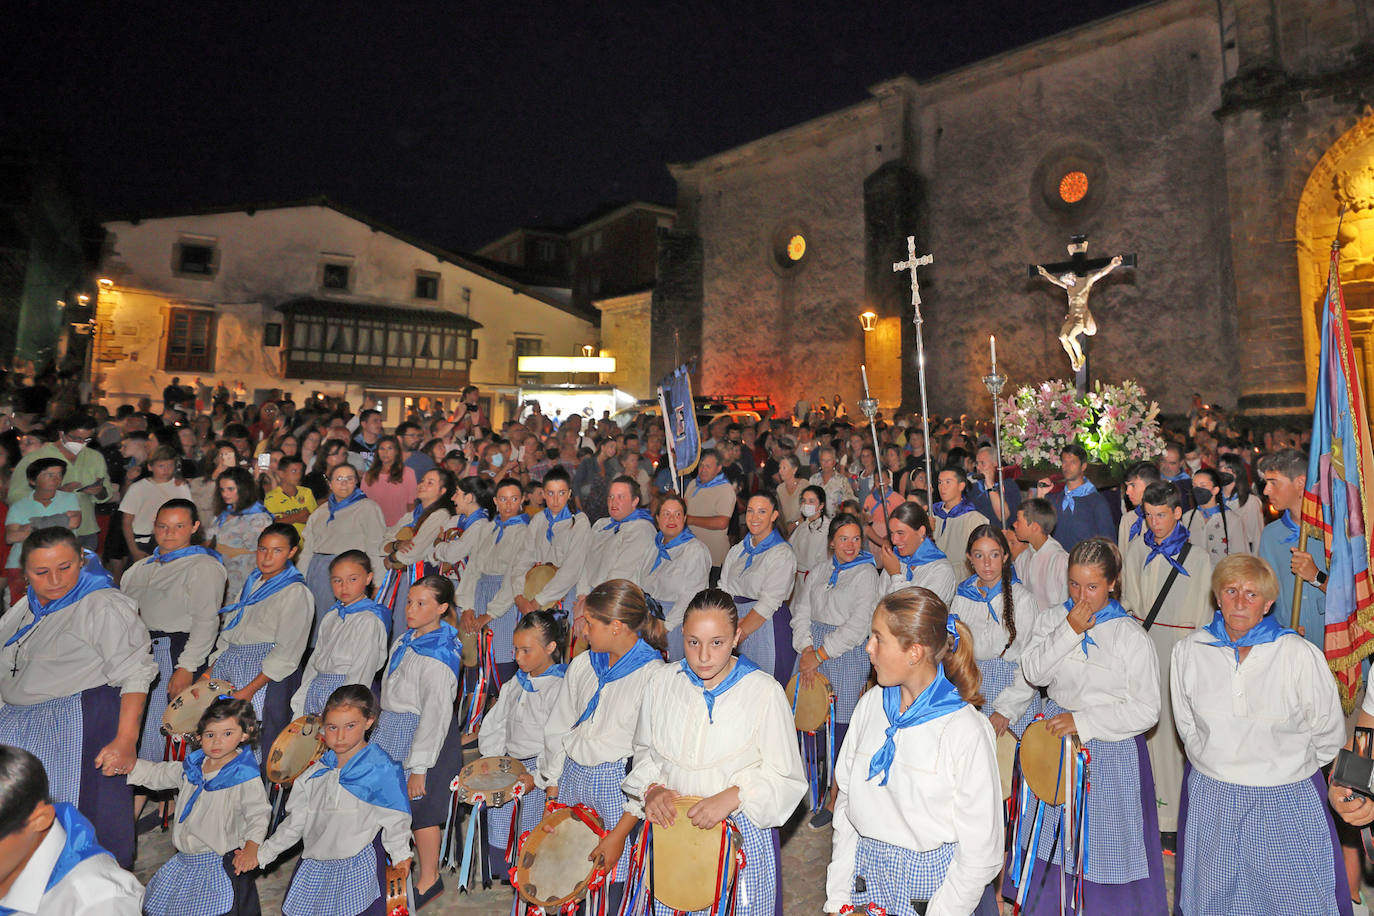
[
  {"x": 1285, "y": 477},
  {"x": 1083, "y": 512}
]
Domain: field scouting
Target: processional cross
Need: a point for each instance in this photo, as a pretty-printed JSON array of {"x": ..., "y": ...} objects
[
  {"x": 912, "y": 263},
  {"x": 1076, "y": 277}
]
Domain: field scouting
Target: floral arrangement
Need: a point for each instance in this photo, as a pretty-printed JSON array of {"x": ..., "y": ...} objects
[{"x": 1116, "y": 424}]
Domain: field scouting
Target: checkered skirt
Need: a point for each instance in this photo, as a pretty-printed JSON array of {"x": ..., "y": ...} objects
[
  {"x": 188, "y": 885},
  {"x": 770, "y": 646},
  {"x": 394, "y": 733},
  {"x": 847, "y": 674},
  {"x": 152, "y": 746},
  {"x": 758, "y": 894},
  {"x": 1257, "y": 850},
  {"x": 599, "y": 787},
  {"x": 531, "y": 812},
  {"x": 503, "y": 627},
  {"x": 52, "y": 731},
  {"x": 893, "y": 877},
  {"x": 334, "y": 887},
  {"x": 998, "y": 675},
  {"x": 317, "y": 694},
  {"x": 240, "y": 664}
]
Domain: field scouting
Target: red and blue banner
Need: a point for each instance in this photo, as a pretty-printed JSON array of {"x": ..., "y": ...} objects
[{"x": 1336, "y": 503}]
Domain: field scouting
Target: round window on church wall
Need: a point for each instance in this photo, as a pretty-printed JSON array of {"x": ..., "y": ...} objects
[
  {"x": 796, "y": 247},
  {"x": 789, "y": 245},
  {"x": 1073, "y": 187}
]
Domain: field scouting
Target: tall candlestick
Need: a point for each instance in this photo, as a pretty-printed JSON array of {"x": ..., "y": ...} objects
[
  {"x": 992, "y": 344},
  {"x": 864, "y": 369}
]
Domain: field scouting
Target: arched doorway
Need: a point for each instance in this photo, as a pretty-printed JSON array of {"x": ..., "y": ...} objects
[{"x": 1343, "y": 177}]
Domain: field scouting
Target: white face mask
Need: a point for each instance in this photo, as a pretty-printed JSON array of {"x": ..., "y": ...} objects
[
  {"x": 808, "y": 510},
  {"x": 75, "y": 447},
  {"x": 497, "y": 460}
]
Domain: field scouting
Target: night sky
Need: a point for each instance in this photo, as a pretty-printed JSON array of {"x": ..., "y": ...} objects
[{"x": 453, "y": 121}]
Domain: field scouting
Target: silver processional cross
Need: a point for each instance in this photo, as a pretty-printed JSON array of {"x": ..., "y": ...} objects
[{"x": 912, "y": 263}]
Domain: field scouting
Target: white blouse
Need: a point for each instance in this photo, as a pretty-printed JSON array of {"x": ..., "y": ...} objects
[
  {"x": 511, "y": 559},
  {"x": 608, "y": 735},
  {"x": 282, "y": 619},
  {"x": 422, "y": 546},
  {"x": 678, "y": 578},
  {"x": 567, "y": 551},
  {"x": 849, "y": 606},
  {"x": 612, "y": 555},
  {"x": 951, "y": 534},
  {"x": 748, "y": 741},
  {"x": 182, "y": 596},
  {"x": 96, "y": 641},
  {"x": 427, "y": 687},
  {"x": 1273, "y": 719},
  {"x": 221, "y": 821},
  {"x": 937, "y": 576},
  {"x": 1189, "y": 602},
  {"x": 990, "y": 639},
  {"x": 1045, "y": 571},
  {"x": 514, "y": 726},
  {"x": 94, "y": 887},
  {"x": 360, "y": 526},
  {"x": 458, "y": 550},
  {"x": 810, "y": 544},
  {"x": 354, "y": 646},
  {"x": 768, "y": 580},
  {"x": 943, "y": 787},
  {"x": 1113, "y": 691},
  {"x": 333, "y": 822}
]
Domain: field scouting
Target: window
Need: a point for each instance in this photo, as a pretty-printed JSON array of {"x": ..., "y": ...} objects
[
  {"x": 527, "y": 346},
  {"x": 426, "y": 285},
  {"x": 190, "y": 341},
  {"x": 334, "y": 276},
  {"x": 1073, "y": 187},
  {"x": 195, "y": 258}
]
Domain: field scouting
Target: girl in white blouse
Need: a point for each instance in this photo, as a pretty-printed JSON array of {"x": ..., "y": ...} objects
[
  {"x": 914, "y": 558},
  {"x": 810, "y": 541},
  {"x": 759, "y": 571},
  {"x": 514, "y": 726},
  {"x": 560, "y": 537},
  {"x": 468, "y": 527},
  {"x": 351, "y": 645},
  {"x": 717, "y": 727},
  {"x": 918, "y": 819},
  {"x": 1099, "y": 667},
  {"x": 221, "y": 806},
  {"x": 487, "y": 590},
  {"x": 1255, "y": 832},
  {"x": 412, "y": 558},
  {"x": 1000, "y": 612},
  {"x": 678, "y": 568}
]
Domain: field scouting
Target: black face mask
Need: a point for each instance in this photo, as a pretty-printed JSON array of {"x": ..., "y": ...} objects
[{"x": 1200, "y": 496}]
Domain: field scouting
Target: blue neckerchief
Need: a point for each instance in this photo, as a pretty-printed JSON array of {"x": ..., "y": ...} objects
[
  {"x": 753, "y": 550},
  {"x": 190, "y": 550},
  {"x": 639, "y": 655},
  {"x": 472, "y": 517},
  {"x": 441, "y": 644},
  {"x": 363, "y": 604},
  {"x": 1086, "y": 488},
  {"x": 256, "y": 509},
  {"x": 337, "y": 505},
  {"x": 742, "y": 667},
  {"x": 248, "y": 595},
  {"x": 242, "y": 768},
  {"x": 1181, "y": 475},
  {"x": 963, "y": 507},
  {"x": 713, "y": 482},
  {"x": 80, "y": 845},
  {"x": 415, "y": 513},
  {"x": 1112, "y": 610},
  {"x": 836, "y": 567},
  {"x": 502, "y": 524},
  {"x": 1292, "y": 526},
  {"x": 928, "y": 552},
  {"x": 971, "y": 590},
  {"x": 683, "y": 537},
  {"x": 87, "y": 583},
  {"x": 370, "y": 776},
  {"x": 1168, "y": 547},
  {"x": 562, "y": 516},
  {"x": 1233, "y": 500},
  {"x": 1267, "y": 630},
  {"x": 639, "y": 515},
  {"x": 939, "y": 699},
  {"x": 1209, "y": 513},
  {"x": 1138, "y": 524},
  {"x": 366, "y": 449},
  {"x": 527, "y": 682}
]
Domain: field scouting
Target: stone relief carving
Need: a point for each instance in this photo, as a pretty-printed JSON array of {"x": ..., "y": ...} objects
[{"x": 1355, "y": 187}]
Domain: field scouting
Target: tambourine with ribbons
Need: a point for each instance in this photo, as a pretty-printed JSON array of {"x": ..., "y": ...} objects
[
  {"x": 684, "y": 867},
  {"x": 1054, "y": 773},
  {"x": 553, "y": 869}
]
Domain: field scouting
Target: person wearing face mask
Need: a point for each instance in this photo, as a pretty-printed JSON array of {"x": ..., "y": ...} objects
[
  {"x": 809, "y": 539},
  {"x": 678, "y": 567},
  {"x": 87, "y": 474},
  {"x": 1209, "y": 522}
]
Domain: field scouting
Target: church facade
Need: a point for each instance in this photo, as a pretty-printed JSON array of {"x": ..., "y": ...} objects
[{"x": 1216, "y": 141}]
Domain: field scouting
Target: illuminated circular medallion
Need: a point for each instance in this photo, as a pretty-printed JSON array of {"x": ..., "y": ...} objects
[
  {"x": 1073, "y": 187},
  {"x": 796, "y": 247}
]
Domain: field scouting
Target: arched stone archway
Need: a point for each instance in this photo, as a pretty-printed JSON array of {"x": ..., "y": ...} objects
[{"x": 1343, "y": 176}]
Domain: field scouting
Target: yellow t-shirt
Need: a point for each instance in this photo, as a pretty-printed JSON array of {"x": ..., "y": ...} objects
[{"x": 279, "y": 504}]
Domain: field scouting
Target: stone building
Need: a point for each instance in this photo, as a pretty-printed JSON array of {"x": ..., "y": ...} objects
[
  {"x": 312, "y": 296},
  {"x": 1215, "y": 140}
]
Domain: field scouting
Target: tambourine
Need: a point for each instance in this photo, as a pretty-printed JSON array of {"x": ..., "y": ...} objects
[
  {"x": 1006, "y": 760},
  {"x": 397, "y": 892},
  {"x": 1047, "y": 762},
  {"x": 182, "y": 716},
  {"x": 298, "y": 746},
  {"x": 688, "y": 860},
  {"x": 552, "y": 867},
  {"x": 811, "y": 706},
  {"x": 536, "y": 579},
  {"x": 492, "y": 781}
]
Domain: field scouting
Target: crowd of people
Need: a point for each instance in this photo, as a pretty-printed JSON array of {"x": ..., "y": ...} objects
[{"x": 315, "y": 563}]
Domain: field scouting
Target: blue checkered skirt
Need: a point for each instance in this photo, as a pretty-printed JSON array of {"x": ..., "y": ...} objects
[
  {"x": 770, "y": 646},
  {"x": 758, "y": 893},
  {"x": 240, "y": 664},
  {"x": 188, "y": 885},
  {"x": 394, "y": 732},
  {"x": 317, "y": 694},
  {"x": 531, "y": 812},
  {"x": 52, "y": 731},
  {"x": 334, "y": 887},
  {"x": 896, "y": 878},
  {"x": 317, "y": 580},
  {"x": 599, "y": 787},
  {"x": 1255, "y": 851},
  {"x": 998, "y": 675},
  {"x": 848, "y": 673},
  {"x": 153, "y": 745},
  {"x": 503, "y": 627}
]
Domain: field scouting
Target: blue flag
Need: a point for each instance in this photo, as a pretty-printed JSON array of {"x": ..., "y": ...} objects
[{"x": 680, "y": 420}]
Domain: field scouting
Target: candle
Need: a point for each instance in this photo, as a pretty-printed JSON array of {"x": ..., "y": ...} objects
[
  {"x": 992, "y": 344},
  {"x": 864, "y": 369}
]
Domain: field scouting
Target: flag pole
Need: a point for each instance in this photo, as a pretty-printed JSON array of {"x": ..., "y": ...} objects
[{"x": 1297, "y": 582}]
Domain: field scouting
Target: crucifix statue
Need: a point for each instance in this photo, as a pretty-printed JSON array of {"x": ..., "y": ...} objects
[{"x": 1076, "y": 277}]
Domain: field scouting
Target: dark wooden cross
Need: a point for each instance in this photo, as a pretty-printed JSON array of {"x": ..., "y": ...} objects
[{"x": 1079, "y": 321}]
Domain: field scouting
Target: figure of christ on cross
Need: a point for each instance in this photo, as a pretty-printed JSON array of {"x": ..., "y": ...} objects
[{"x": 1074, "y": 278}]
